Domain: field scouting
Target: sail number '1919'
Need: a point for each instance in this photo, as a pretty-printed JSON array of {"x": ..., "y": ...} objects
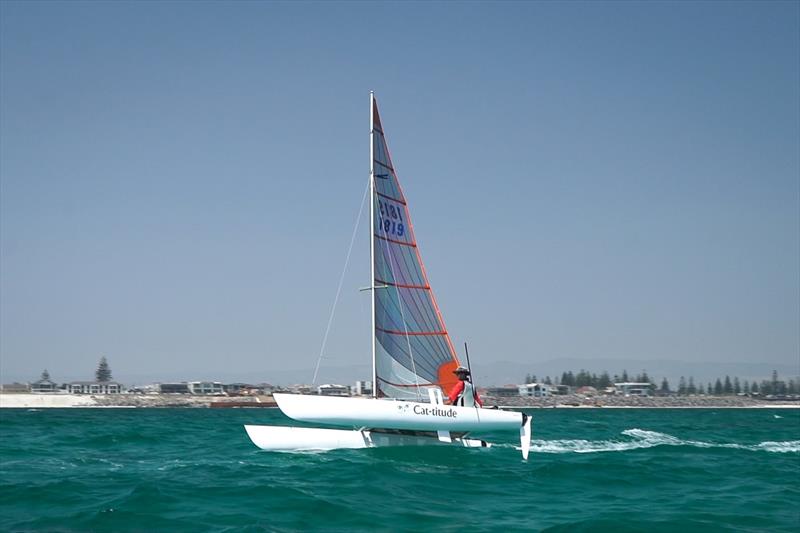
[{"x": 390, "y": 220}]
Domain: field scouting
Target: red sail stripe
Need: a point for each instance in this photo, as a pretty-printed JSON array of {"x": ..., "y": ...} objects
[{"x": 412, "y": 333}]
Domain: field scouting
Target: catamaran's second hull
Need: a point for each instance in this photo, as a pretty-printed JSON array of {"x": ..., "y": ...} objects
[
  {"x": 395, "y": 414},
  {"x": 294, "y": 439}
]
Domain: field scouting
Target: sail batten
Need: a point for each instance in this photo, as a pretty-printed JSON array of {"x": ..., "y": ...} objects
[
  {"x": 393, "y": 241},
  {"x": 420, "y": 287},
  {"x": 413, "y": 350},
  {"x": 384, "y": 165},
  {"x": 392, "y": 199}
]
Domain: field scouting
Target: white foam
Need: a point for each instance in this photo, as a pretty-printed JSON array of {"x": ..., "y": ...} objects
[
  {"x": 583, "y": 446},
  {"x": 779, "y": 447},
  {"x": 642, "y": 438}
]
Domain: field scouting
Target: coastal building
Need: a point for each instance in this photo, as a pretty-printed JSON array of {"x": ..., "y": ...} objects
[
  {"x": 44, "y": 386},
  {"x": 94, "y": 387},
  {"x": 237, "y": 388},
  {"x": 363, "y": 388},
  {"x": 330, "y": 389},
  {"x": 246, "y": 389},
  {"x": 173, "y": 388},
  {"x": 535, "y": 390},
  {"x": 634, "y": 389},
  {"x": 206, "y": 387},
  {"x": 561, "y": 390},
  {"x": 264, "y": 388},
  {"x": 15, "y": 388},
  {"x": 587, "y": 390},
  {"x": 506, "y": 391}
]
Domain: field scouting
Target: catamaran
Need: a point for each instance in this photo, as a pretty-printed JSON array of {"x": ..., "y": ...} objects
[{"x": 413, "y": 359}]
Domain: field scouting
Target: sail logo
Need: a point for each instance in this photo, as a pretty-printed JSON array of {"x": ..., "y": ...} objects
[{"x": 435, "y": 411}]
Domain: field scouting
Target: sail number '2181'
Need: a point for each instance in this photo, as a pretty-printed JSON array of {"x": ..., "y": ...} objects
[{"x": 390, "y": 220}]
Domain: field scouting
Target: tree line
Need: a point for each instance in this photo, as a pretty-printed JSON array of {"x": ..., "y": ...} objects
[
  {"x": 102, "y": 373},
  {"x": 720, "y": 387},
  {"x": 586, "y": 379},
  {"x": 727, "y": 386}
]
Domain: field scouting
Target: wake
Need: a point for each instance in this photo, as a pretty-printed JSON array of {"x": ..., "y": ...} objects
[{"x": 642, "y": 438}]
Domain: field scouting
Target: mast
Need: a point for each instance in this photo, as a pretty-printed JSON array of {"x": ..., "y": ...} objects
[{"x": 372, "y": 236}]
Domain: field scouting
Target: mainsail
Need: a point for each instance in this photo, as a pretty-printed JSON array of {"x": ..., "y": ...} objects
[{"x": 412, "y": 348}]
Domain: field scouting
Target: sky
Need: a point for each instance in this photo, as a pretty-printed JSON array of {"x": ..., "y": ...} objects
[{"x": 179, "y": 181}]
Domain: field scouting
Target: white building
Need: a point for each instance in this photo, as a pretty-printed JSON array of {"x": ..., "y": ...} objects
[
  {"x": 363, "y": 388},
  {"x": 205, "y": 387},
  {"x": 634, "y": 389},
  {"x": 537, "y": 390},
  {"x": 94, "y": 387},
  {"x": 333, "y": 390}
]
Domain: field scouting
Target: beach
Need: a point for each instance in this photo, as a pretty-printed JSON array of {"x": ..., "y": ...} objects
[{"x": 45, "y": 401}]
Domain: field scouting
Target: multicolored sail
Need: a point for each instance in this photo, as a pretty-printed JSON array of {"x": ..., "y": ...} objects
[{"x": 413, "y": 351}]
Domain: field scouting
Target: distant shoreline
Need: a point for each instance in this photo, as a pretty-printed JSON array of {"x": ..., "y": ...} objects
[
  {"x": 156, "y": 401},
  {"x": 578, "y": 401}
]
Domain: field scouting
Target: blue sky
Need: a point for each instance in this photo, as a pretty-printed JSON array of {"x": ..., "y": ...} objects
[{"x": 179, "y": 181}]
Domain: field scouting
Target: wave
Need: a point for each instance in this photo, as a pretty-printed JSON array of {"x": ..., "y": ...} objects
[{"x": 642, "y": 438}]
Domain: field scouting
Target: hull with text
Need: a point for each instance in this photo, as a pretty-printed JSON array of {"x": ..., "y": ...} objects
[{"x": 395, "y": 414}]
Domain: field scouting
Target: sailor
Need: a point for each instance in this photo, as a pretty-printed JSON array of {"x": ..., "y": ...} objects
[{"x": 464, "y": 393}]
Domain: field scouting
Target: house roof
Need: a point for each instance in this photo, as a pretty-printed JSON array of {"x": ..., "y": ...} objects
[{"x": 93, "y": 383}]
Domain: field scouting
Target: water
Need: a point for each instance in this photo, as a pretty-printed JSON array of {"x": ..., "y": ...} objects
[{"x": 590, "y": 470}]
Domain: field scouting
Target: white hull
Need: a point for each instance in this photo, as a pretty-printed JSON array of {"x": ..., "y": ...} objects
[
  {"x": 285, "y": 438},
  {"x": 395, "y": 414}
]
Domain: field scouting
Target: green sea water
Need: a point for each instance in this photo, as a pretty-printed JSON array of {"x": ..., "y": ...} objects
[{"x": 589, "y": 470}]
